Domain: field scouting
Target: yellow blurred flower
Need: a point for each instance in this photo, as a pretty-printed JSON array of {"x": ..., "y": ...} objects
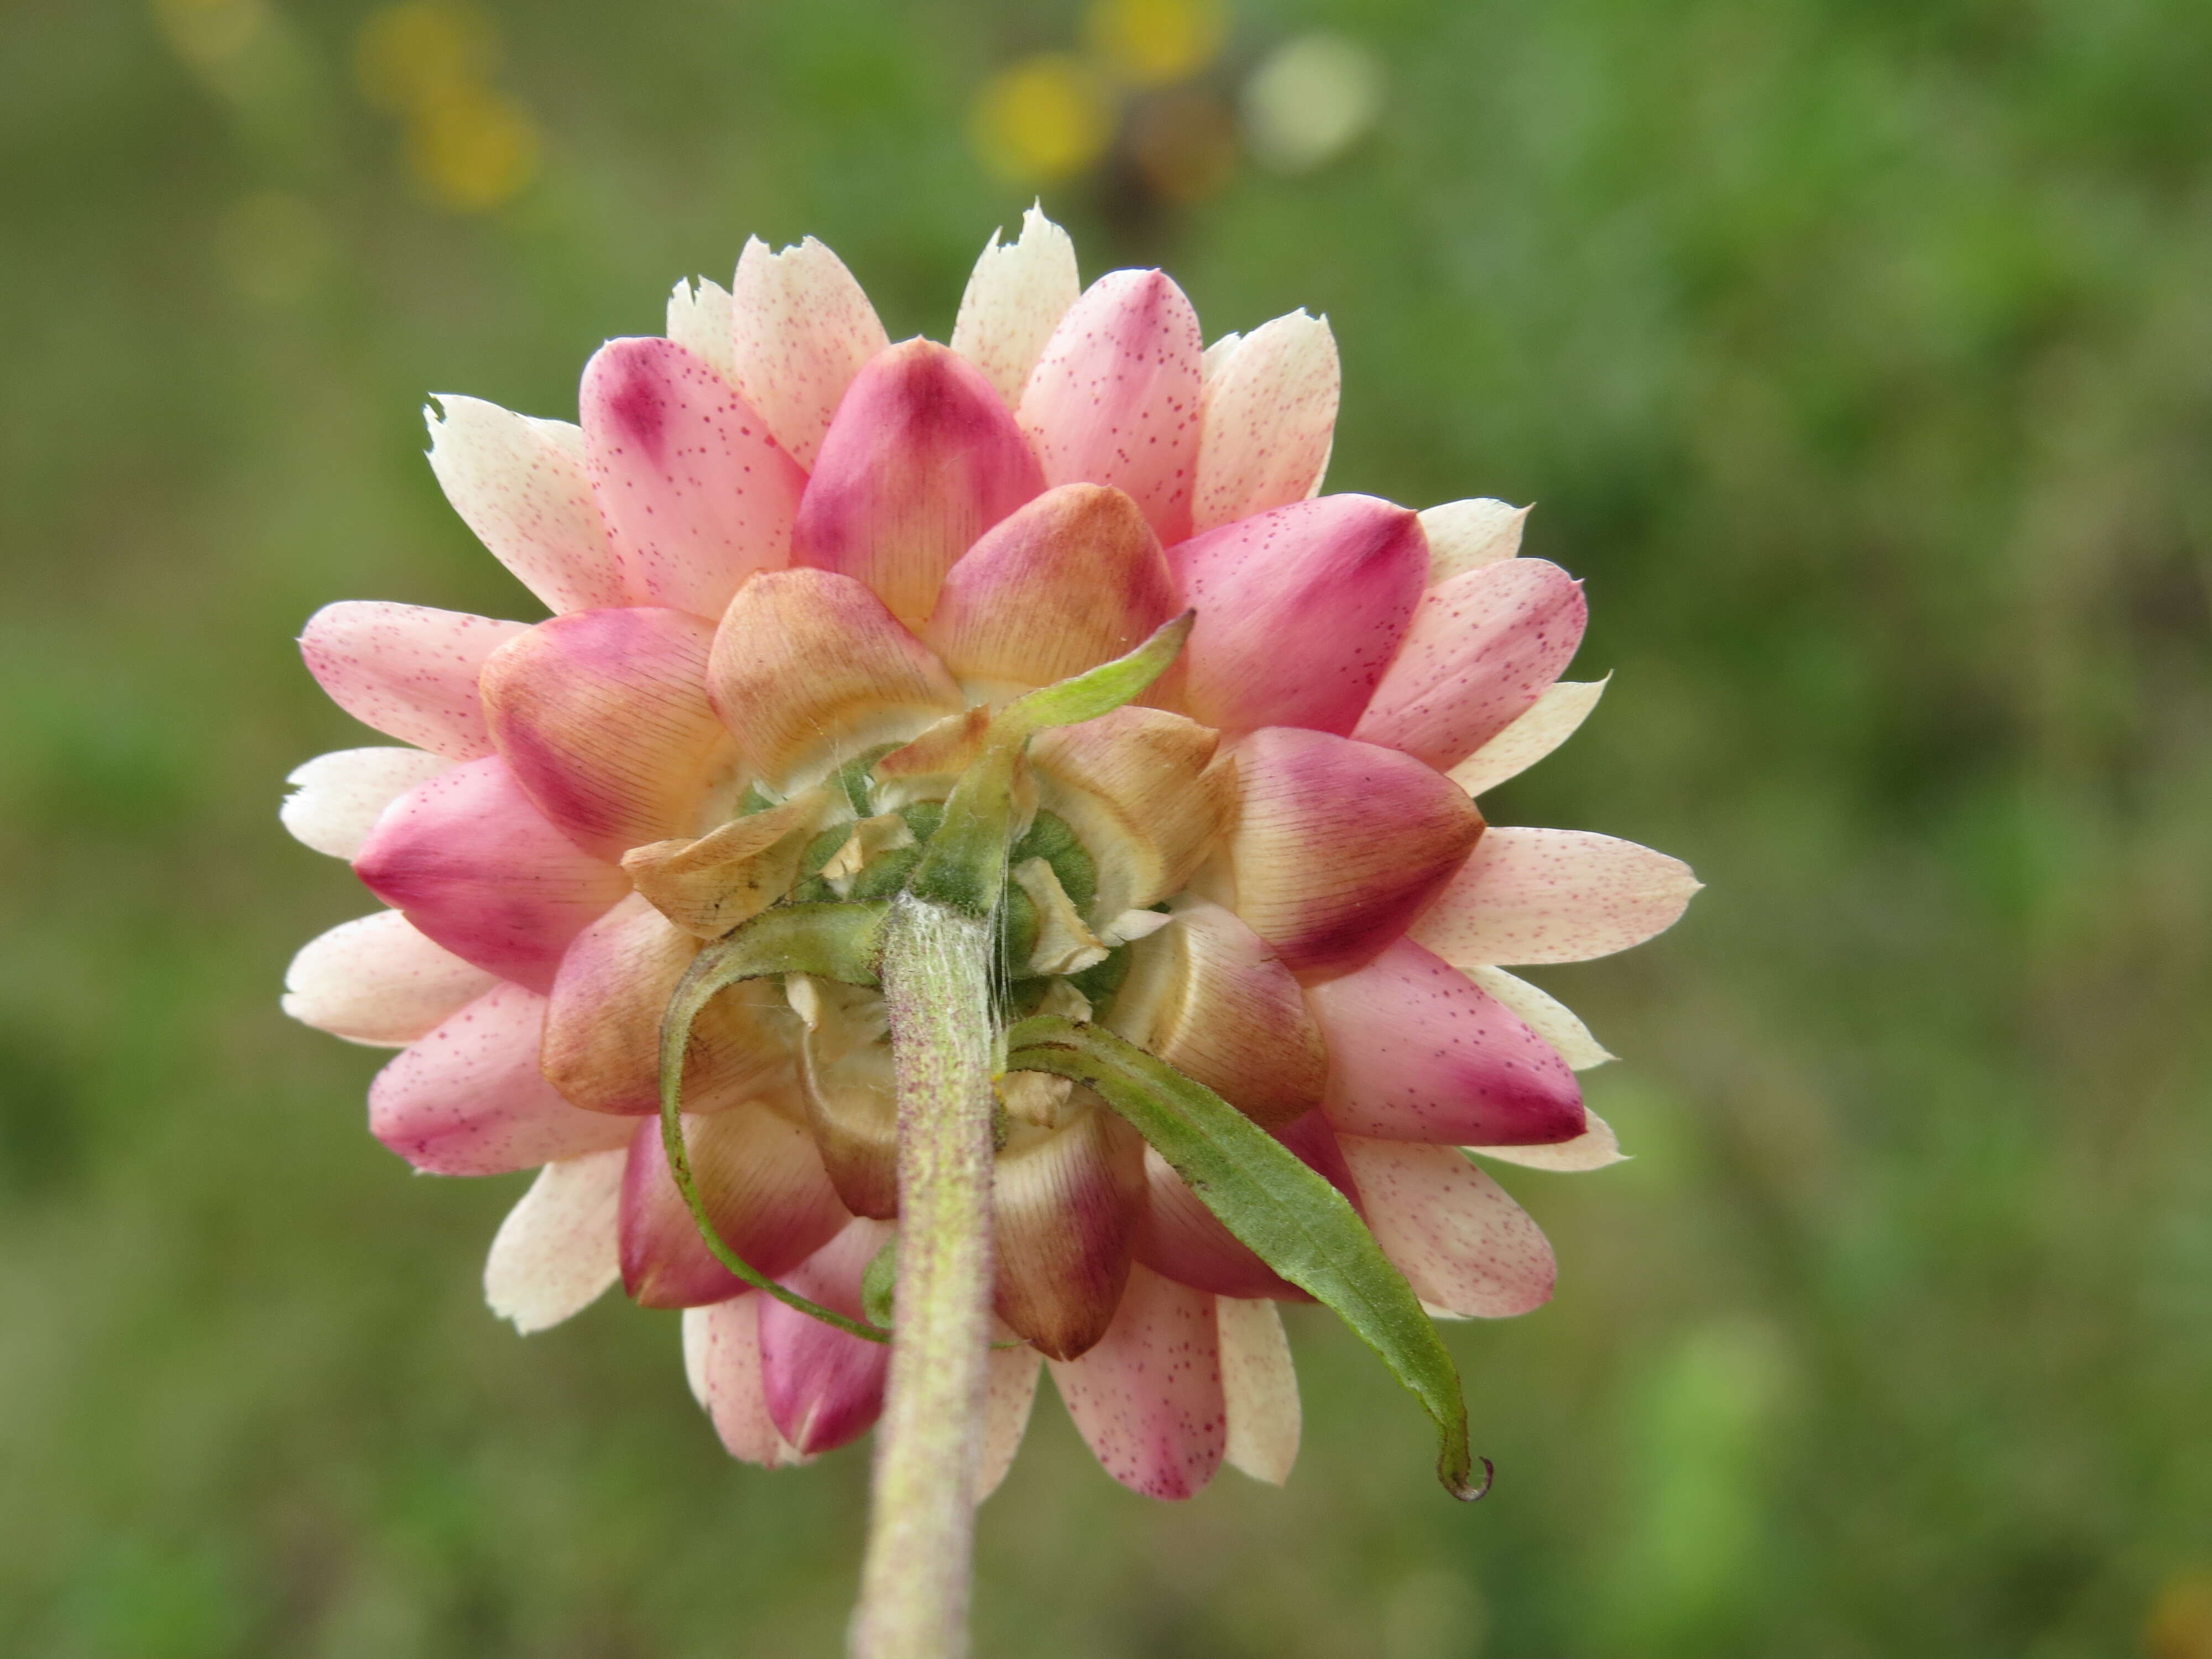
[
  {"x": 1154, "y": 42},
  {"x": 472, "y": 150},
  {"x": 1042, "y": 119},
  {"x": 2180, "y": 1622},
  {"x": 409, "y": 54}
]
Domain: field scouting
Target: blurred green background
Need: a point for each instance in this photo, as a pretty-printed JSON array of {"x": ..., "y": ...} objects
[{"x": 1859, "y": 353}]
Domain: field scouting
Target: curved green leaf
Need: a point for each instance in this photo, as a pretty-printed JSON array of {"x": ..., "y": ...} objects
[
  {"x": 1290, "y": 1218},
  {"x": 833, "y": 941}
]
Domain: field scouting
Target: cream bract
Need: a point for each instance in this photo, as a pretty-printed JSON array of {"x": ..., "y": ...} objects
[{"x": 796, "y": 567}]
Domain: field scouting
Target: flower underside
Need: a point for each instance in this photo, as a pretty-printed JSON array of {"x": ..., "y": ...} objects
[{"x": 796, "y": 572}]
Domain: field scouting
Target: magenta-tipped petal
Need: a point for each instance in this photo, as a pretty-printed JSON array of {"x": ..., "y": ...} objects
[
  {"x": 603, "y": 718},
  {"x": 477, "y": 867},
  {"x": 698, "y": 493},
  {"x": 1063, "y": 1202},
  {"x": 1340, "y": 576},
  {"x": 1538, "y": 896},
  {"x": 407, "y": 669},
  {"x": 521, "y": 485},
  {"x": 800, "y": 328},
  {"x": 1115, "y": 399},
  {"x": 722, "y": 1356},
  {"x": 1482, "y": 649},
  {"x": 1463, "y": 1245},
  {"x": 467, "y": 1100},
  {"x": 1147, "y": 1399},
  {"x": 1419, "y": 1052},
  {"x": 824, "y": 1387},
  {"x": 1340, "y": 845},
  {"x": 762, "y": 1183},
  {"x": 922, "y": 459}
]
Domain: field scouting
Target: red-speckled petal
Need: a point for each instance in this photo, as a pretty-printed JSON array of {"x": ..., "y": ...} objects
[
  {"x": 1482, "y": 649},
  {"x": 477, "y": 867},
  {"x": 1270, "y": 416},
  {"x": 556, "y": 1252},
  {"x": 1074, "y": 578},
  {"x": 1115, "y": 399},
  {"x": 377, "y": 980},
  {"x": 824, "y": 1387},
  {"x": 698, "y": 493},
  {"x": 922, "y": 459},
  {"x": 1009, "y": 1394},
  {"x": 1340, "y": 845},
  {"x": 722, "y": 1357},
  {"x": 800, "y": 328},
  {"x": 1299, "y": 610},
  {"x": 605, "y": 719},
  {"x": 408, "y": 671},
  {"x": 1016, "y": 297},
  {"x": 1418, "y": 1052},
  {"x": 522, "y": 485},
  {"x": 468, "y": 1100},
  {"x": 1463, "y": 1245},
  {"x": 1537, "y": 896},
  {"x": 762, "y": 1183},
  {"x": 1147, "y": 1399}
]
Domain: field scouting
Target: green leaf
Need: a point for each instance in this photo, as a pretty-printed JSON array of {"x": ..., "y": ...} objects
[
  {"x": 964, "y": 866},
  {"x": 832, "y": 941},
  {"x": 879, "y": 1282},
  {"x": 1290, "y": 1218}
]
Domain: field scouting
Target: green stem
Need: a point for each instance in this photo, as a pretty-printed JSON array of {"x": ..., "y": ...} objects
[{"x": 915, "y": 1582}]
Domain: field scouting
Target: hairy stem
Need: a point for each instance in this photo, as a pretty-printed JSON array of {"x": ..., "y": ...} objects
[{"x": 915, "y": 1582}]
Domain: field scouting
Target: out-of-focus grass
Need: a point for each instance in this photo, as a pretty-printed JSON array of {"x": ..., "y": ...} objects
[{"x": 1859, "y": 354}]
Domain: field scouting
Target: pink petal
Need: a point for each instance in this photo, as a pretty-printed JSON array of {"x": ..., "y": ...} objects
[
  {"x": 1536, "y": 896},
  {"x": 1595, "y": 1148},
  {"x": 478, "y": 869},
  {"x": 1147, "y": 1399},
  {"x": 378, "y": 980},
  {"x": 1015, "y": 298},
  {"x": 1463, "y": 1245},
  {"x": 824, "y": 1387},
  {"x": 406, "y": 670},
  {"x": 1009, "y": 1394},
  {"x": 522, "y": 486},
  {"x": 800, "y": 329},
  {"x": 762, "y": 1183},
  {"x": 1064, "y": 1201},
  {"x": 1299, "y": 610},
  {"x": 698, "y": 493},
  {"x": 1544, "y": 1014},
  {"x": 467, "y": 1099},
  {"x": 1340, "y": 845},
  {"x": 605, "y": 719},
  {"x": 1074, "y": 578},
  {"x": 556, "y": 1253},
  {"x": 1270, "y": 415},
  {"x": 1418, "y": 1052},
  {"x": 809, "y": 669},
  {"x": 1260, "y": 1388},
  {"x": 1482, "y": 649},
  {"x": 922, "y": 459},
  {"x": 1465, "y": 534},
  {"x": 722, "y": 1352},
  {"x": 1115, "y": 399},
  {"x": 1181, "y": 1237},
  {"x": 338, "y": 797}
]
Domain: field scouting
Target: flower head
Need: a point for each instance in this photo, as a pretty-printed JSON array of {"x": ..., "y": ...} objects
[{"x": 794, "y": 570}]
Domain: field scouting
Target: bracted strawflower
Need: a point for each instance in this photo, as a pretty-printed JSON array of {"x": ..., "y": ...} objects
[{"x": 980, "y": 874}]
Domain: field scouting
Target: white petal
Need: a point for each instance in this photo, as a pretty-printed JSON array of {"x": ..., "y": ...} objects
[
  {"x": 800, "y": 328},
  {"x": 1548, "y": 723},
  {"x": 1012, "y": 1390},
  {"x": 1259, "y": 1387},
  {"x": 1546, "y": 1015},
  {"x": 699, "y": 321},
  {"x": 698, "y": 1332},
  {"x": 520, "y": 484},
  {"x": 722, "y": 1362},
  {"x": 1217, "y": 356},
  {"x": 1463, "y": 1244},
  {"x": 1465, "y": 534},
  {"x": 1534, "y": 895},
  {"x": 338, "y": 797},
  {"x": 1592, "y": 1149},
  {"x": 1016, "y": 297},
  {"x": 377, "y": 981},
  {"x": 556, "y": 1251},
  {"x": 1268, "y": 418}
]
